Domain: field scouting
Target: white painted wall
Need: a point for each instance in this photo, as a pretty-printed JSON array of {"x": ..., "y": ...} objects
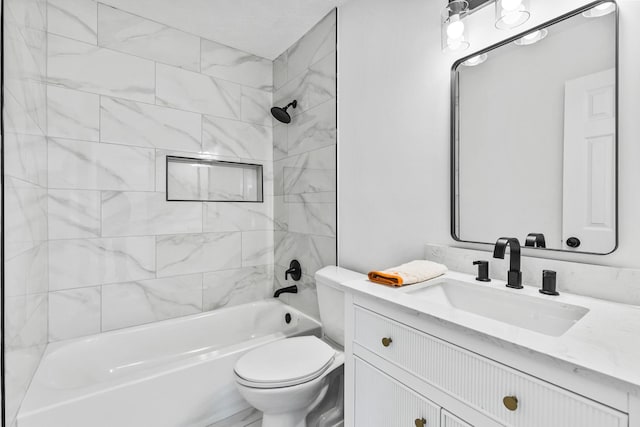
[{"x": 394, "y": 129}]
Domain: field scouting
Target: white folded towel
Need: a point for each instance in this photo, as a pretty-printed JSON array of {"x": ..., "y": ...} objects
[{"x": 409, "y": 273}]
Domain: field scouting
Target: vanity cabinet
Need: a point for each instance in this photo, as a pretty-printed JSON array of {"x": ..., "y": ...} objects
[
  {"x": 401, "y": 375},
  {"x": 382, "y": 401}
]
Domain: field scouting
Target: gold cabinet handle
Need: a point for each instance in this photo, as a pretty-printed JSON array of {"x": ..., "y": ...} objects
[
  {"x": 386, "y": 341},
  {"x": 421, "y": 422},
  {"x": 510, "y": 402}
]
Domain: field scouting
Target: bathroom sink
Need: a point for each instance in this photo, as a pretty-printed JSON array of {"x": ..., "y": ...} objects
[{"x": 535, "y": 314}]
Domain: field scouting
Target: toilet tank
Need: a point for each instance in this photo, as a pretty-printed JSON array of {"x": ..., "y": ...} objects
[{"x": 331, "y": 300}]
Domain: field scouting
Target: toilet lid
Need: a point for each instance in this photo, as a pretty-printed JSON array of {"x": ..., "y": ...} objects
[{"x": 285, "y": 362}]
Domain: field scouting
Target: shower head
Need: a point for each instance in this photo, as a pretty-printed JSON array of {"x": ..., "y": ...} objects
[{"x": 280, "y": 113}]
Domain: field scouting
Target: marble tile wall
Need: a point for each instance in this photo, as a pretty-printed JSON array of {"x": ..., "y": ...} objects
[
  {"x": 95, "y": 99},
  {"x": 25, "y": 192},
  {"x": 304, "y": 160},
  {"x": 122, "y": 93}
]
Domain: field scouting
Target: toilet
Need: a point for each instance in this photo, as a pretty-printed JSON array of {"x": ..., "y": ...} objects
[{"x": 287, "y": 379}]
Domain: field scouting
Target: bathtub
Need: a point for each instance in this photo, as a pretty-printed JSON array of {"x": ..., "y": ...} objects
[{"x": 167, "y": 374}]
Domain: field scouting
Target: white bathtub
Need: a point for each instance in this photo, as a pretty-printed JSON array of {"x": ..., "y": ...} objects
[{"x": 166, "y": 374}]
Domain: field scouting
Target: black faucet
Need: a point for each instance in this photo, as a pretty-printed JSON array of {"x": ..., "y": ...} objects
[
  {"x": 295, "y": 270},
  {"x": 535, "y": 240},
  {"x": 288, "y": 290},
  {"x": 514, "y": 275}
]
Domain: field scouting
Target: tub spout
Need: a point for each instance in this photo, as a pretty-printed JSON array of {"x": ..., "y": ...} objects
[{"x": 288, "y": 290}]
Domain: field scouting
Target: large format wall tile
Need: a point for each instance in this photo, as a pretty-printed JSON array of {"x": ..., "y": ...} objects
[
  {"x": 313, "y": 87},
  {"x": 313, "y": 252},
  {"x": 95, "y": 166},
  {"x": 257, "y": 248},
  {"x": 280, "y": 141},
  {"x": 297, "y": 181},
  {"x": 223, "y": 137},
  {"x": 238, "y": 216},
  {"x": 26, "y": 268},
  {"x": 144, "y": 125},
  {"x": 135, "y": 303},
  {"x": 196, "y": 92},
  {"x": 27, "y": 13},
  {"x": 235, "y": 65},
  {"x": 25, "y": 53},
  {"x": 89, "y": 262},
  {"x": 25, "y": 159},
  {"x": 256, "y": 106},
  {"x": 313, "y": 46},
  {"x": 74, "y": 313},
  {"x": 138, "y": 214},
  {"x": 76, "y": 19},
  {"x": 25, "y": 321},
  {"x": 76, "y": 65},
  {"x": 132, "y": 34},
  {"x": 280, "y": 76},
  {"x": 312, "y": 218},
  {"x": 74, "y": 214},
  {"x": 238, "y": 286},
  {"x": 313, "y": 129},
  {"x": 25, "y": 107},
  {"x": 73, "y": 114},
  {"x": 195, "y": 253},
  {"x": 25, "y": 212}
]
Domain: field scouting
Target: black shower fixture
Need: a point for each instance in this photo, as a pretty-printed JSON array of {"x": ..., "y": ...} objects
[{"x": 280, "y": 113}]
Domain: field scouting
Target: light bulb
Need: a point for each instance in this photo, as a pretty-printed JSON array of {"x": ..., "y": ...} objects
[
  {"x": 511, "y": 5},
  {"x": 511, "y": 18},
  {"x": 455, "y": 29},
  {"x": 602, "y": 9},
  {"x": 604, "y": 6},
  {"x": 532, "y": 37},
  {"x": 476, "y": 60}
]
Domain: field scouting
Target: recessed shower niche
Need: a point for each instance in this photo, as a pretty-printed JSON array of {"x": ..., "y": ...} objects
[{"x": 208, "y": 180}]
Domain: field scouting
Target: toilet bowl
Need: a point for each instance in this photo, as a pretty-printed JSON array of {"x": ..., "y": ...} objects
[{"x": 287, "y": 379}]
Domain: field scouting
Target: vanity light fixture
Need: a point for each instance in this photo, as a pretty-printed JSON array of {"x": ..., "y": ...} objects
[
  {"x": 532, "y": 37},
  {"x": 511, "y": 13},
  {"x": 600, "y": 10},
  {"x": 454, "y": 31},
  {"x": 475, "y": 60}
]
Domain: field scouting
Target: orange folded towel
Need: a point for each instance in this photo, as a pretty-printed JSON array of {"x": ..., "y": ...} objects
[{"x": 409, "y": 273}]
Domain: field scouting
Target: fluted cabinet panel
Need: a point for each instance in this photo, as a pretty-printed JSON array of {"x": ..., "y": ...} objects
[
  {"x": 449, "y": 420},
  {"x": 382, "y": 402},
  {"x": 480, "y": 382}
]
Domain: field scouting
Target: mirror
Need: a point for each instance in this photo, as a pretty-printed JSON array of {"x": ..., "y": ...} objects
[{"x": 534, "y": 136}]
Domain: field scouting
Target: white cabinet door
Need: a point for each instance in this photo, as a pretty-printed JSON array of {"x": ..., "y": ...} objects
[{"x": 380, "y": 401}]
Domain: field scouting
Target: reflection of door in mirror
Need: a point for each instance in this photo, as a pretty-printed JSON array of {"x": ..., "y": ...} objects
[{"x": 589, "y": 176}]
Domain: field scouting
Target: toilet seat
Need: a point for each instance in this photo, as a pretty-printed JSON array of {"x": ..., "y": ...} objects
[{"x": 285, "y": 363}]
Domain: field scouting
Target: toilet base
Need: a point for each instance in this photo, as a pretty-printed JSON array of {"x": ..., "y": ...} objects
[{"x": 289, "y": 419}]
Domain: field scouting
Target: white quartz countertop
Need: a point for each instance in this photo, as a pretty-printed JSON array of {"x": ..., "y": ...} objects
[{"x": 606, "y": 340}]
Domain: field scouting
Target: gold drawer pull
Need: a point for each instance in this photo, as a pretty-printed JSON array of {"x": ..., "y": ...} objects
[
  {"x": 421, "y": 422},
  {"x": 510, "y": 402},
  {"x": 386, "y": 342}
]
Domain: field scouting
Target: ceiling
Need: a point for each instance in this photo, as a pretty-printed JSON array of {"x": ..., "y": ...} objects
[{"x": 263, "y": 27}]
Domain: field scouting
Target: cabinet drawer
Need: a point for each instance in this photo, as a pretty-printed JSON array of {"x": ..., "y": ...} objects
[
  {"x": 380, "y": 401},
  {"x": 479, "y": 382},
  {"x": 450, "y": 420}
]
